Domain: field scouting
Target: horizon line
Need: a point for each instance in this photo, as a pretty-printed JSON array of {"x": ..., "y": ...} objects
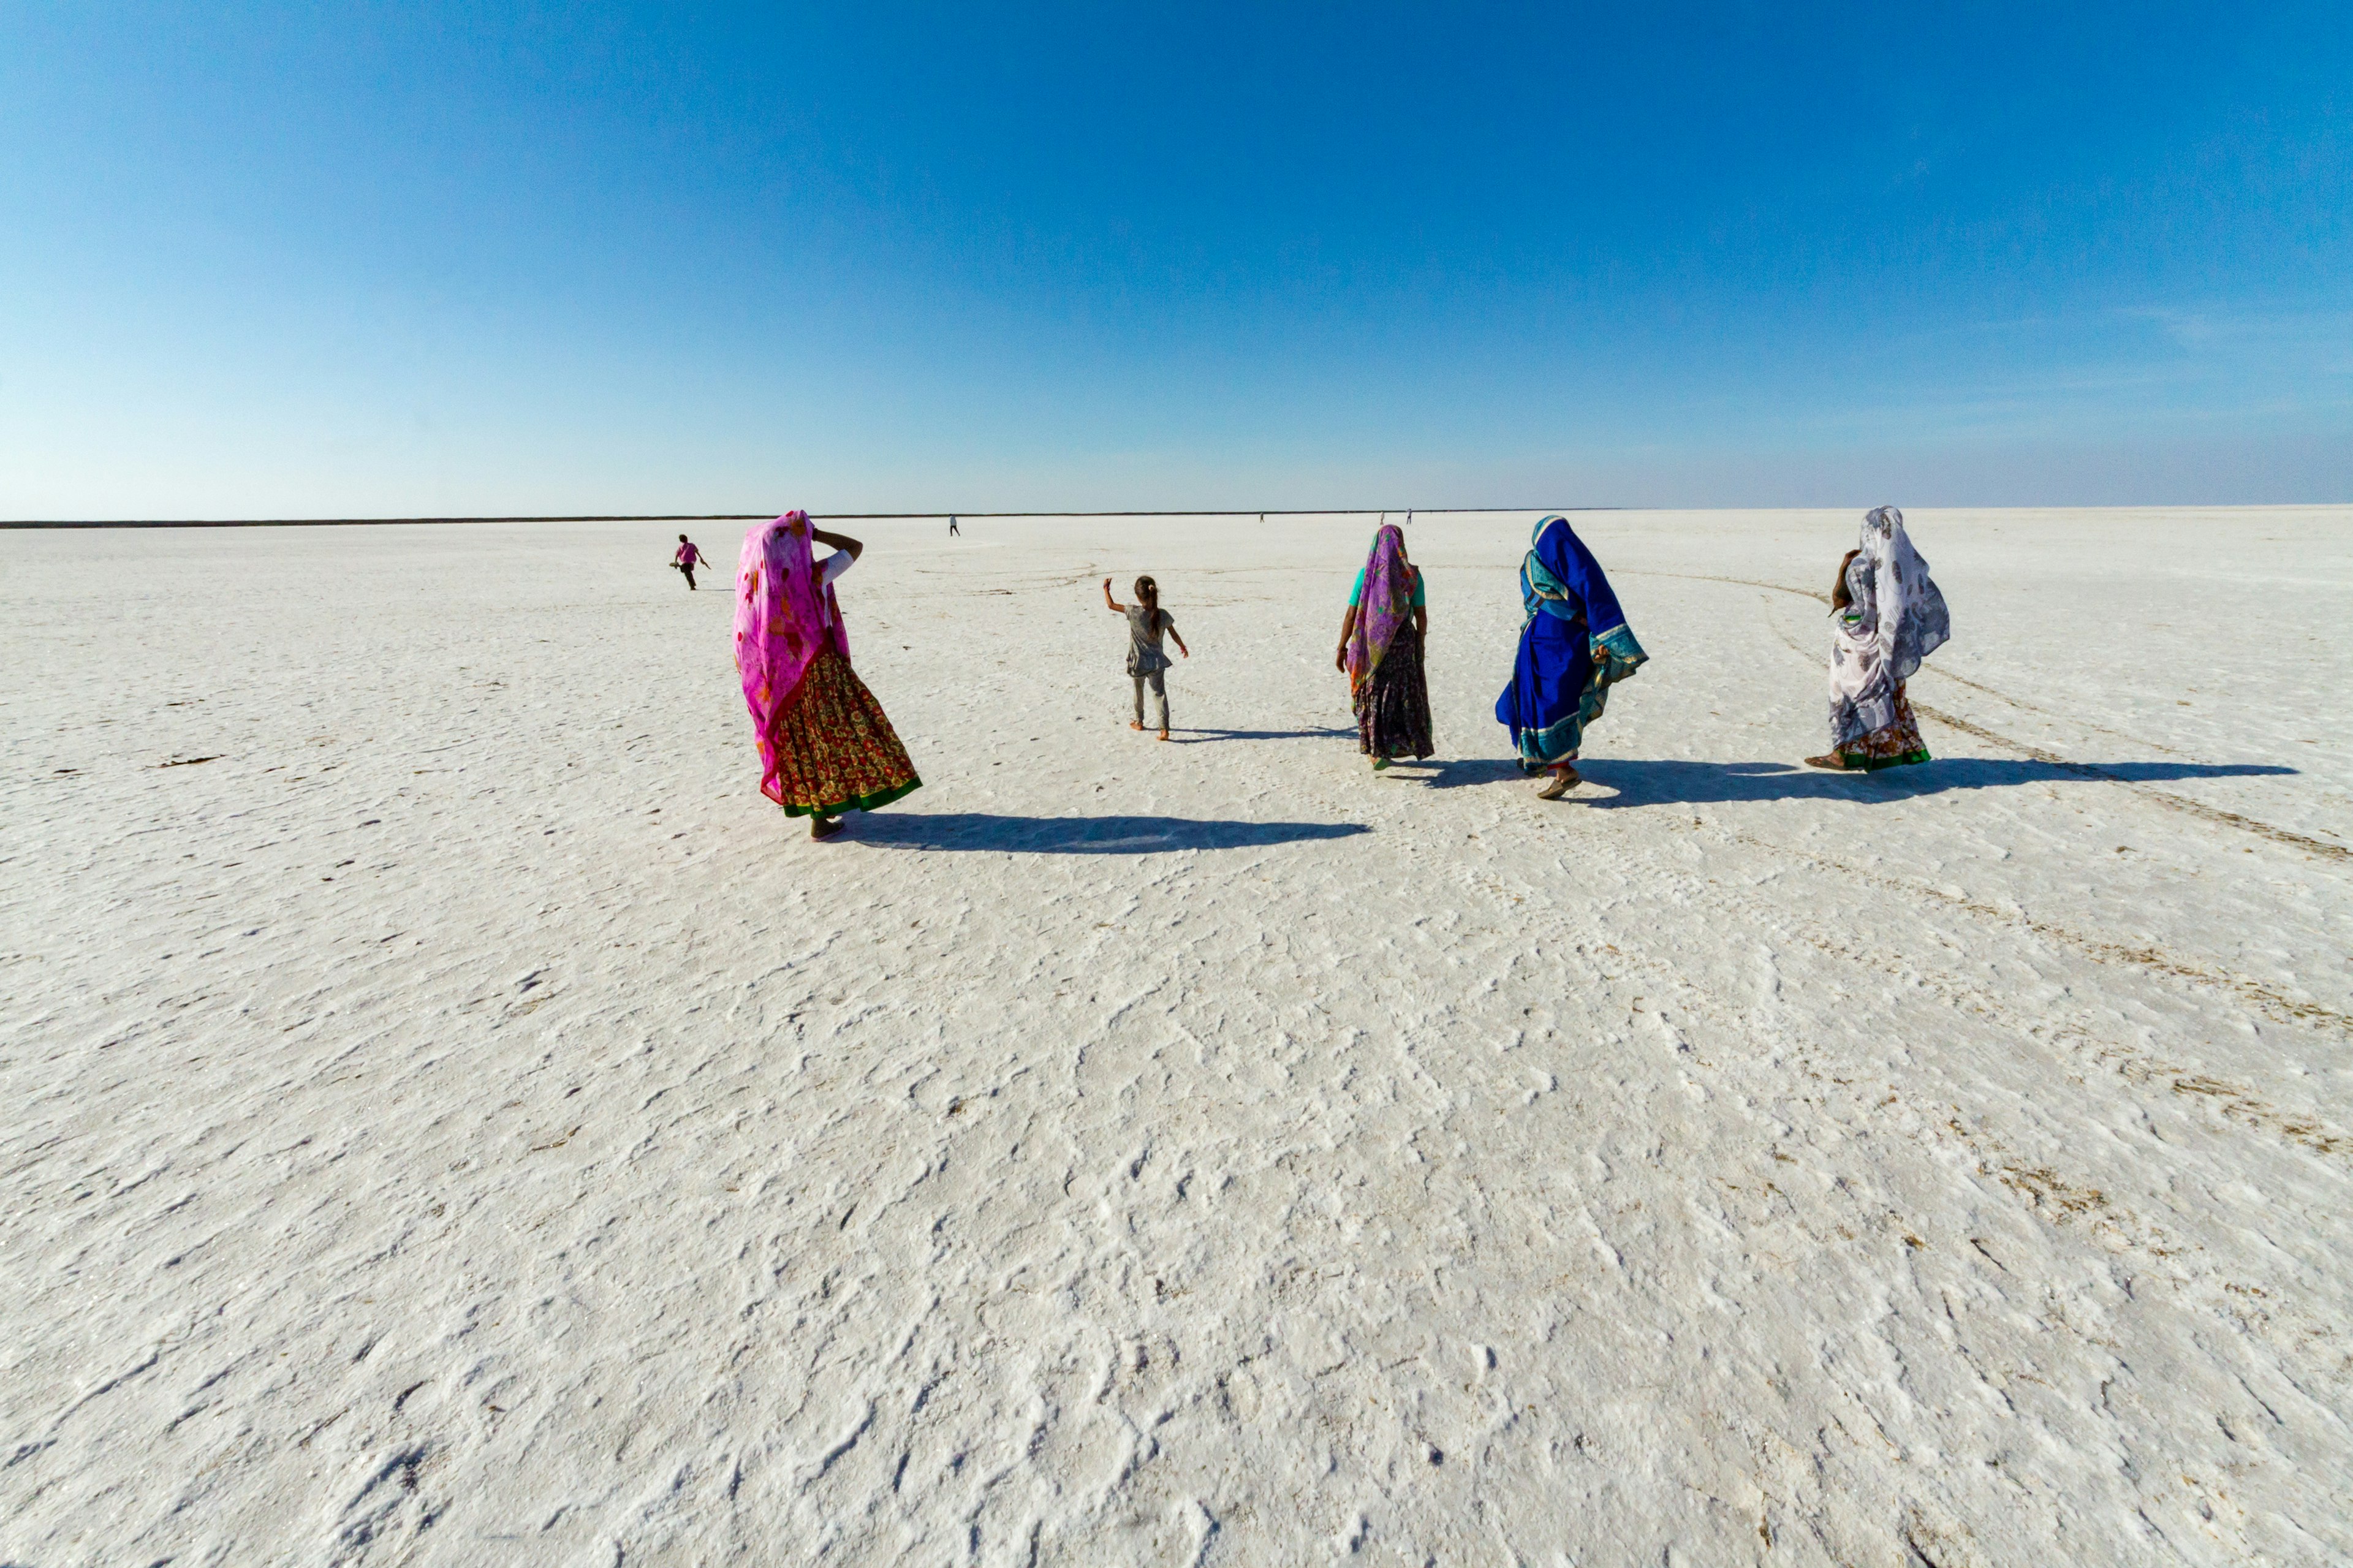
[
  {"x": 758, "y": 516},
  {"x": 27, "y": 524}
]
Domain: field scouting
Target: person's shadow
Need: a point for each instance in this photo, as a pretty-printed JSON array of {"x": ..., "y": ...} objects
[
  {"x": 975, "y": 830},
  {"x": 1456, "y": 771},
  {"x": 1183, "y": 737},
  {"x": 1665, "y": 782}
]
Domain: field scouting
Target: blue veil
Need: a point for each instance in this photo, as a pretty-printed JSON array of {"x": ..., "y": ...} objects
[{"x": 1574, "y": 646}]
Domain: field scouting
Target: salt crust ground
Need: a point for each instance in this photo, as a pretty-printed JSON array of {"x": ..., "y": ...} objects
[{"x": 452, "y": 1118}]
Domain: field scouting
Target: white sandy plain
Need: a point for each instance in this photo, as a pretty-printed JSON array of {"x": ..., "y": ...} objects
[{"x": 461, "y": 1123}]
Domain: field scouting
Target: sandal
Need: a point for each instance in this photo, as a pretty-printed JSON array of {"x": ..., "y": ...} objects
[
  {"x": 1379, "y": 762},
  {"x": 1562, "y": 780},
  {"x": 824, "y": 826},
  {"x": 1831, "y": 760}
]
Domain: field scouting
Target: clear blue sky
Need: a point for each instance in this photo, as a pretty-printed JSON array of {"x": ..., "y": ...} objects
[{"x": 435, "y": 258}]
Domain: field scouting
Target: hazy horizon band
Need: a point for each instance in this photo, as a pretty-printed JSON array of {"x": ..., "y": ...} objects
[{"x": 756, "y": 516}]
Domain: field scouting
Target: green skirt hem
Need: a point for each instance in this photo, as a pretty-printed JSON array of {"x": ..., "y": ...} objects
[
  {"x": 859, "y": 803},
  {"x": 1855, "y": 760}
]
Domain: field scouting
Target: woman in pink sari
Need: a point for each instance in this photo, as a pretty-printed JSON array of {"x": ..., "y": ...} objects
[{"x": 824, "y": 744}]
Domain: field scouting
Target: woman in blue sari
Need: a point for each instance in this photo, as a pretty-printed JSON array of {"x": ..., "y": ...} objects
[{"x": 1574, "y": 646}]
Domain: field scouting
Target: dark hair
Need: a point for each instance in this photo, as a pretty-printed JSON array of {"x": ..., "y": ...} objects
[
  {"x": 1149, "y": 591},
  {"x": 681, "y": 539},
  {"x": 1840, "y": 596}
]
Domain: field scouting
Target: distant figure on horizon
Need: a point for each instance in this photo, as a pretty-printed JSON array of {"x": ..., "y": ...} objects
[
  {"x": 1381, "y": 639},
  {"x": 1574, "y": 646},
  {"x": 953, "y": 533},
  {"x": 825, "y": 746},
  {"x": 1889, "y": 615},
  {"x": 687, "y": 559},
  {"x": 1146, "y": 659}
]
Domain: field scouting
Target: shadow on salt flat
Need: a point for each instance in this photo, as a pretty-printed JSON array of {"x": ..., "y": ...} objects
[
  {"x": 971, "y": 830},
  {"x": 1185, "y": 737},
  {"x": 1459, "y": 772},
  {"x": 1664, "y": 781}
]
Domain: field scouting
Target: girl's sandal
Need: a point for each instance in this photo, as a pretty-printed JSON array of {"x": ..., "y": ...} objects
[
  {"x": 824, "y": 826},
  {"x": 1379, "y": 762},
  {"x": 1831, "y": 760}
]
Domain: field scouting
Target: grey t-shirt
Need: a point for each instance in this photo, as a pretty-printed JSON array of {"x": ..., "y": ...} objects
[{"x": 1144, "y": 651}]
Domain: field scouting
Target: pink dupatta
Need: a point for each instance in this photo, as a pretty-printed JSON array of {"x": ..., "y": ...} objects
[{"x": 783, "y": 620}]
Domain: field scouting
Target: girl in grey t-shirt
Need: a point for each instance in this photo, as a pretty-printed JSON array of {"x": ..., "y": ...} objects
[{"x": 1146, "y": 622}]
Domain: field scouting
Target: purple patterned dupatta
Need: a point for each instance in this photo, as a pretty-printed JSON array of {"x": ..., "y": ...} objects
[{"x": 1382, "y": 607}]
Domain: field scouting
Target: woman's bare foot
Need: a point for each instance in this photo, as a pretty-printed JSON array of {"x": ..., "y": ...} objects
[
  {"x": 1563, "y": 779},
  {"x": 824, "y": 826},
  {"x": 1163, "y": 734},
  {"x": 1135, "y": 724},
  {"x": 1830, "y": 760}
]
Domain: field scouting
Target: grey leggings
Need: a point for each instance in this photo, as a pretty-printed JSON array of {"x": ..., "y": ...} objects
[{"x": 1158, "y": 690}]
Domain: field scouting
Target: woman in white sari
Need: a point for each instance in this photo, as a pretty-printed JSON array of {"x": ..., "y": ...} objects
[{"x": 1888, "y": 617}]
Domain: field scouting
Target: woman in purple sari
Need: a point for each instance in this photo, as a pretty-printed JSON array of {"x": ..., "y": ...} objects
[{"x": 1380, "y": 648}]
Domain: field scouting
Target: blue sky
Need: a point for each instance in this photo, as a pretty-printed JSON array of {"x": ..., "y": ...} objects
[{"x": 435, "y": 259}]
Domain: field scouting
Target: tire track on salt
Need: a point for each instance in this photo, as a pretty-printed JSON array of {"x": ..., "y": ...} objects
[
  {"x": 2170, "y": 801},
  {"x": 2166, "y": 798},
  {"x": 2273, "y": 1003}
]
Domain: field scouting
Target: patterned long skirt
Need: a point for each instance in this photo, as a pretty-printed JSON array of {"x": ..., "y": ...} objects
[
  {"x": 1891, "y": 745},
  {"x": 1393, "y": 708},
  {"x": 835, "y": 750}
]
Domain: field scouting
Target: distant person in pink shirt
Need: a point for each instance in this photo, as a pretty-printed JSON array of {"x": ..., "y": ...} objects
[{"x": 688, "y": 558}]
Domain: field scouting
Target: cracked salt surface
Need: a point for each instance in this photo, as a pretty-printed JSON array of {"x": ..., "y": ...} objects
[{"x": 461, "y": 1123}]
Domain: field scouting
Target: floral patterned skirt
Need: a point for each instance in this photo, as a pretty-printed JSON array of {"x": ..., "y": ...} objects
[
  {"x": 1393, "y": 708},
  {"x": 1891, "y": 745},
  {"x": 835, "y": 750}
]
